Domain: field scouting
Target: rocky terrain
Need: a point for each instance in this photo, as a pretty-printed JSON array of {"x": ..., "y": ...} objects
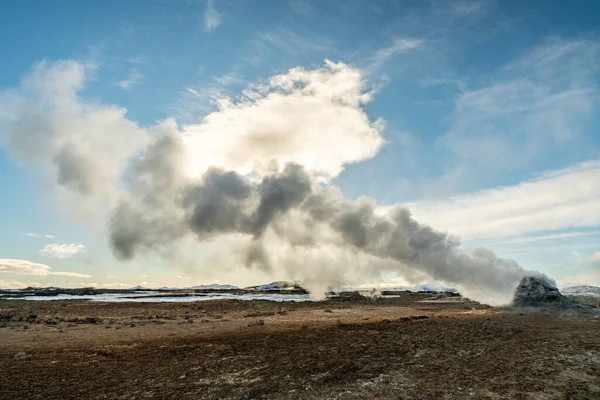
[{"x": 414, "y": 346}]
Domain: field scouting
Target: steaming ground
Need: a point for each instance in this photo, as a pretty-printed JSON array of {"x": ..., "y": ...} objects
[
  {"x": 254, "y": 177},
  {"x": 414, "y": 346}
]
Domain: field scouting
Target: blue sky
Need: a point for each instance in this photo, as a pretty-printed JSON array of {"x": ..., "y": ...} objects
[{"x": 488, "y": 110}]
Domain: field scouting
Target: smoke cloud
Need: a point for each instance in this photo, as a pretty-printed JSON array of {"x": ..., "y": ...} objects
[{"x": 254, "y": 174}]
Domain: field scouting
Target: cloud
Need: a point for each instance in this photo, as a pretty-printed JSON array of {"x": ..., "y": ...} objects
[
  {"x": 301, "y": 7},
  {"x": 12, "y": 284},
  {"x": 229, "y": 79},
  {"x": 134, "y": 78},
  {"x": 399, "y": 46},
  {"x": 562, "y": 199},
  {"x": 269, "y": 124},
  {"x": 62, "y": 250},
  {"x": 23, "y": 267},
  {"x": 593, "y": 257},
  {"x": 536, "y": 103},
  {"x": 284, "y": 41},
  {"x": 212, "y": 18},
  {"x": 116, "y": 285},
  {"x": 39, "y": 236},
  {"x": 70, "y": 274},
  {"x": 527, "y": 240}
]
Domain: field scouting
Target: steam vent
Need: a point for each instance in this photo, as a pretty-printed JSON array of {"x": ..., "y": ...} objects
[{"x": 537, "y": 291}]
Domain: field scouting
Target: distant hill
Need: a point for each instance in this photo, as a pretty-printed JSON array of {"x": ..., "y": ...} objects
[
  {"x": 583, "y": 290},
  {"x": 275, "y": 287},
  {"x": 215, "y": 287}
]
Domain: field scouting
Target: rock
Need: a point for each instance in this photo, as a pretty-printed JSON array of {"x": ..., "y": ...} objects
[
  {"x": 414, "y": 318},
  {"x": 21, "y": 356},
  {"x": 540, "y": 291},
  {"x": 260, "y": 314},
  {"x": 351, "y": 296}
]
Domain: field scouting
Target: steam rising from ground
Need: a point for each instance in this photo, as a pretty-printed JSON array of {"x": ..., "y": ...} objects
[{"x": 252, "y": 174}]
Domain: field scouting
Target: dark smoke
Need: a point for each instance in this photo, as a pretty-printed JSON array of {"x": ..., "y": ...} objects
[{"x": 164, "y": 207}]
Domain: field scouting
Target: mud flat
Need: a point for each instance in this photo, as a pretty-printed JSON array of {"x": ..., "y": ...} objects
[{"x": 413, "y": 346}]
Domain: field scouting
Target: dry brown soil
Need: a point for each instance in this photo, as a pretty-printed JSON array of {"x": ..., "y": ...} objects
[{"x": 400, "y": 348}]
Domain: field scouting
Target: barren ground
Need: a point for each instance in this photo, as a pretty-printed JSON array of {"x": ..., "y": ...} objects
[{"x": 386, "y": 349}]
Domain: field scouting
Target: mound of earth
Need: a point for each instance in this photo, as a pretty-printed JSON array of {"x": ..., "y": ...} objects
[{"x": 538, "y": 291}]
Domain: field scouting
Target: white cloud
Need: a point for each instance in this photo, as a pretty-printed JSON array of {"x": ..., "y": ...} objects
[
  {"x": 39, "y": 236},
  {"x": 63, "y": 273},
  {"x": 399, "y": 46},
  {"x": 23, "y": 267},
  {"x": 229, "y": 79},
  {"x": 593, "y": 257},
  {"x": 62, "y": 250},
  {"x": 271, "y": 123},
  {"x": 12, "y": 284},
  {"x": 134, "y": 78},
  {"x": 555, "y": 200},
  {"x": 212, "y": 18}
]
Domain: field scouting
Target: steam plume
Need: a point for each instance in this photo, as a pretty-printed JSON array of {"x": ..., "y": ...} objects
[{"x": 256, "y": 172}]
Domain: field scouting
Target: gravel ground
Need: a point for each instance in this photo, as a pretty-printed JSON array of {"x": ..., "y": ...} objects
[{"x": 406, "y": 347}]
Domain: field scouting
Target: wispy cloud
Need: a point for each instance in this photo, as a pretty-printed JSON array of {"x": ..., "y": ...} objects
[
  {"x": 63, "y": 273},
  {"x": 284, "y": 41},
  {"x": 134, "y": 78},
  {"x": 194, "y": 102},
  {"x": 527, "y": 240},
  {"x": 62, "y": 250},
  {"x": 212, "y": 18},
  {"x": 556, "y": 200},
  {"x": 541, "y": 100},
  {"x": 229, "y": 79},
  {"x": 593, "y": 257},
  {"x": 301, "y": 7},
  {"x": 24, "y": 267},
  {"x": 39, "y": 235},
  {"x": 399, "y": 46}
]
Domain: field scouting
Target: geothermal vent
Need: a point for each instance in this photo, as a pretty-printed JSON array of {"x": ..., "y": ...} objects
[{"x": 538, "y": 291}]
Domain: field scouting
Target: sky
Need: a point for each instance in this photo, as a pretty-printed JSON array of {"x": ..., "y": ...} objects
[{"x": 481, "y": 117}]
